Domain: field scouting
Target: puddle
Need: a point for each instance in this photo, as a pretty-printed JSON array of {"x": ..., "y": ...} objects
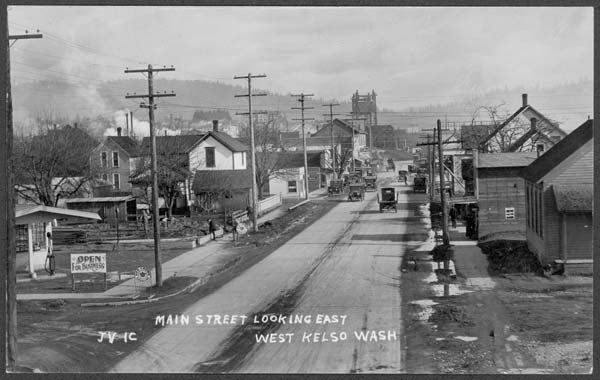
[
  {"x": 446, "y": 290},
  {"x": 440, "y": 339},
  {"x": 512, "y": 338},
  {"x": 530, "y": 371},
  {"x": 482, "y": 283},
  {"x": 427, "y": 311},
  {"x": 466, "y": 338}
]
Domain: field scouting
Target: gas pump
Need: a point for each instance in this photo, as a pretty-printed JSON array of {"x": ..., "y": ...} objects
[{"x": 50, "y": 264}]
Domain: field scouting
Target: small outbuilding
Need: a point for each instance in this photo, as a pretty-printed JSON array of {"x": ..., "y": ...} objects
[
  {"x": 36, "y": 222},
  {"x": 110, "y": 209}
]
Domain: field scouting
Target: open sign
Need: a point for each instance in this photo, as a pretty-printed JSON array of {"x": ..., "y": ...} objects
[{"x": 88, "y": 263}]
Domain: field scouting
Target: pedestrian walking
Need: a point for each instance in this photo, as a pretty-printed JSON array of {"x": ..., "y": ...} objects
[
  {"x": 453, "y": 216},
  {"x": 234, "y": 233},
  {"x": 212, "y": 228}
]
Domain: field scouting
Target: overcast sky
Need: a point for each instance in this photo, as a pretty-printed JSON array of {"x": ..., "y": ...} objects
[{"x": 410, "y": 56}]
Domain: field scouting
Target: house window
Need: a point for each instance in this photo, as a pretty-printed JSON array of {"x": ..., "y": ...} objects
[
  {"x": 105, "y": 177},
  {"x": 115, "y": 159},
  {"x": 292, "y": 187},
  {"x": 104, "y": 159},
  {"x": 540, "y": 148},
  {"x": 509, "y": 213},
  {"x": 210, "y": 157},
  {"x": 117, "y": 180}
]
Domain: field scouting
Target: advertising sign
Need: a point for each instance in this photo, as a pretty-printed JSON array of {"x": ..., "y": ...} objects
[{"x": 88, "y": 263}]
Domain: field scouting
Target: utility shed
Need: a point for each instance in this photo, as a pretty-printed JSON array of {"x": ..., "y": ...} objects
[
  {"x": 501, "y": 193},
  {"x": 109, "y": 208},
  {"x": 559, "y": 193}
]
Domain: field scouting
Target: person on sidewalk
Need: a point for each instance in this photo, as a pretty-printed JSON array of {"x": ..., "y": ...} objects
[
  {"x": 234, "y": 232},
  {"x": 212, "y": 227},
  {"x": 453, "y": 216}
]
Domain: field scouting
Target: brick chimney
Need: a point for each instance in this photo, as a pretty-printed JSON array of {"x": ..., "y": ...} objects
[
  {"x": 215, "y": 125},
  {"x": 524, "y": 100},
  {"x": 119, "y": 131}
]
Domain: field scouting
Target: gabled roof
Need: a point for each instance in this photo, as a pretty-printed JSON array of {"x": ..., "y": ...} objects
[
  {"x": 220, "y": 180},
  {"x": 574, "y": 197},
  {"x": 232, "y": 144},
  {"x": 505, "y": 160},
  {"x": 126, "y": 143},
  {"x": 559, "y": 152},
  {"x": 540, "y": 117},
  {"x": 183, "y": 143},
  {"x": 341, "y": 125}
]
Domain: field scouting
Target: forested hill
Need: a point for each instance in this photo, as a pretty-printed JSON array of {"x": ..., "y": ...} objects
[{"x": 569, "y": 104}]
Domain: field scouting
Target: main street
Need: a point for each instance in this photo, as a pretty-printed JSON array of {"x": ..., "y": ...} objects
[{"x": 347, "y": 264}]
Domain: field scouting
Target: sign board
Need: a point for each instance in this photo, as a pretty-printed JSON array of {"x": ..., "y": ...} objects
[
  {"x": 88, "y": 263},
  {"x": 241, "y": 229}
]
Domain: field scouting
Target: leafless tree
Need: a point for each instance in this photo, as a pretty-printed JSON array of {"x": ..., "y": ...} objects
[
  {"x": 172, "y": 171},
  {"x": 266, "y": 135},
  {"x": 52, "y": 165}
]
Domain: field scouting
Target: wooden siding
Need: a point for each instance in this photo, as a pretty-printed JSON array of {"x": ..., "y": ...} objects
[
  {"x": 499, "y": 189},
  {"x": 551, "y": 227},
  {"x": 580, "y": 171},
  {"x": 579, "y": 236},
  {"x": 124, "y": 169}
]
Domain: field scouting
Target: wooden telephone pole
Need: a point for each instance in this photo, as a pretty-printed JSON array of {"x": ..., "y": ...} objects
[
  {"x": 333, "y": 147},
  {"x": 249, "y": 78},
  {"x": 445, "y": 238},
  {"x": 302, "y": 108},
  {"x": 151, "y": 107},
  {"x": 8, "y": 213}
]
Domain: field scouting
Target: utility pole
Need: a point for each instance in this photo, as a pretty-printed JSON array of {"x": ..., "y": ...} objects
[
  {"x": 333, "y": 148},
  {"x": 249, "y": 78},
  {"x": 302, "y": 108},
  {"x": 442, "y": 185},
  {"x": 151, "y": 107},
  {"x": 6, "y": 138}
]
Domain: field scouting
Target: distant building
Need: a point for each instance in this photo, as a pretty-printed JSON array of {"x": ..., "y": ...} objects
[
  {"x": 558, "y": 202},
  {"x": 384, "y": 137},
  {"x": 365, "y": 107},
  {"x": 288, "y": 178}
]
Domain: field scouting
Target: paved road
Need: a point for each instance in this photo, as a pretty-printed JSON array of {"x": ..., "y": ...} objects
[{"x": 347, "y": 263}]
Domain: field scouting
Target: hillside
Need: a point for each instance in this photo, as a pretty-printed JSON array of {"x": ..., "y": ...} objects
[{"x": 569, "y": 104}]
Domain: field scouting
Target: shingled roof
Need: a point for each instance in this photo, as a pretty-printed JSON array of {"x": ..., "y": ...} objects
[
  {"x": 574, "y": 198},
  {"x": 288, "y": 160},
  {"x": 219, "y": 180},
  {"x": 128, "y": 144},
  {"x": 183, "y": 143},
  {"x": 559, "y": 152},
  {"x": 505, "y": 160}
]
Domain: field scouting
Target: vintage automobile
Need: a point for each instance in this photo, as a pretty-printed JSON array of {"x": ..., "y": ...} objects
[
  {"x": 336, "y": 186},
  {"x": 357, "y": 192},
  {"x": 370, "y": 183},
  {"x": 388, "y": 199},
  {"x": 420, "y": 184}
]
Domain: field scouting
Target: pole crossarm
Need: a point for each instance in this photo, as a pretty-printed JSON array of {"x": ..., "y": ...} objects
[
  {"x": 149, "y": 70},
  {"x": 246, "y": 95},
  {"x": 157, "y": 95},
  {"x": 25, "y": 36},
  {"x": 253, "y": 113}
]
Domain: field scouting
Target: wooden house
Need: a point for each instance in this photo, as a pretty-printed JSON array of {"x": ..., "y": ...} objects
[
  {"x": 288, "y": 178},
  {"x": 559, "y": 192},
  {"x": 500, "y": 192},
  {"x": 116, "y": 159}
]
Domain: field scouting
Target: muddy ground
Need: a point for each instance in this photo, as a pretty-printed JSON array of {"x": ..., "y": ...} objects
[
  {"x": 61, "y": 335},
  {"x": 525, "y": 324}
]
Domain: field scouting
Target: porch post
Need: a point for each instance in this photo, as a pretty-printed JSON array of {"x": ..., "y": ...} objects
[{"x": 30, "y": 249}]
